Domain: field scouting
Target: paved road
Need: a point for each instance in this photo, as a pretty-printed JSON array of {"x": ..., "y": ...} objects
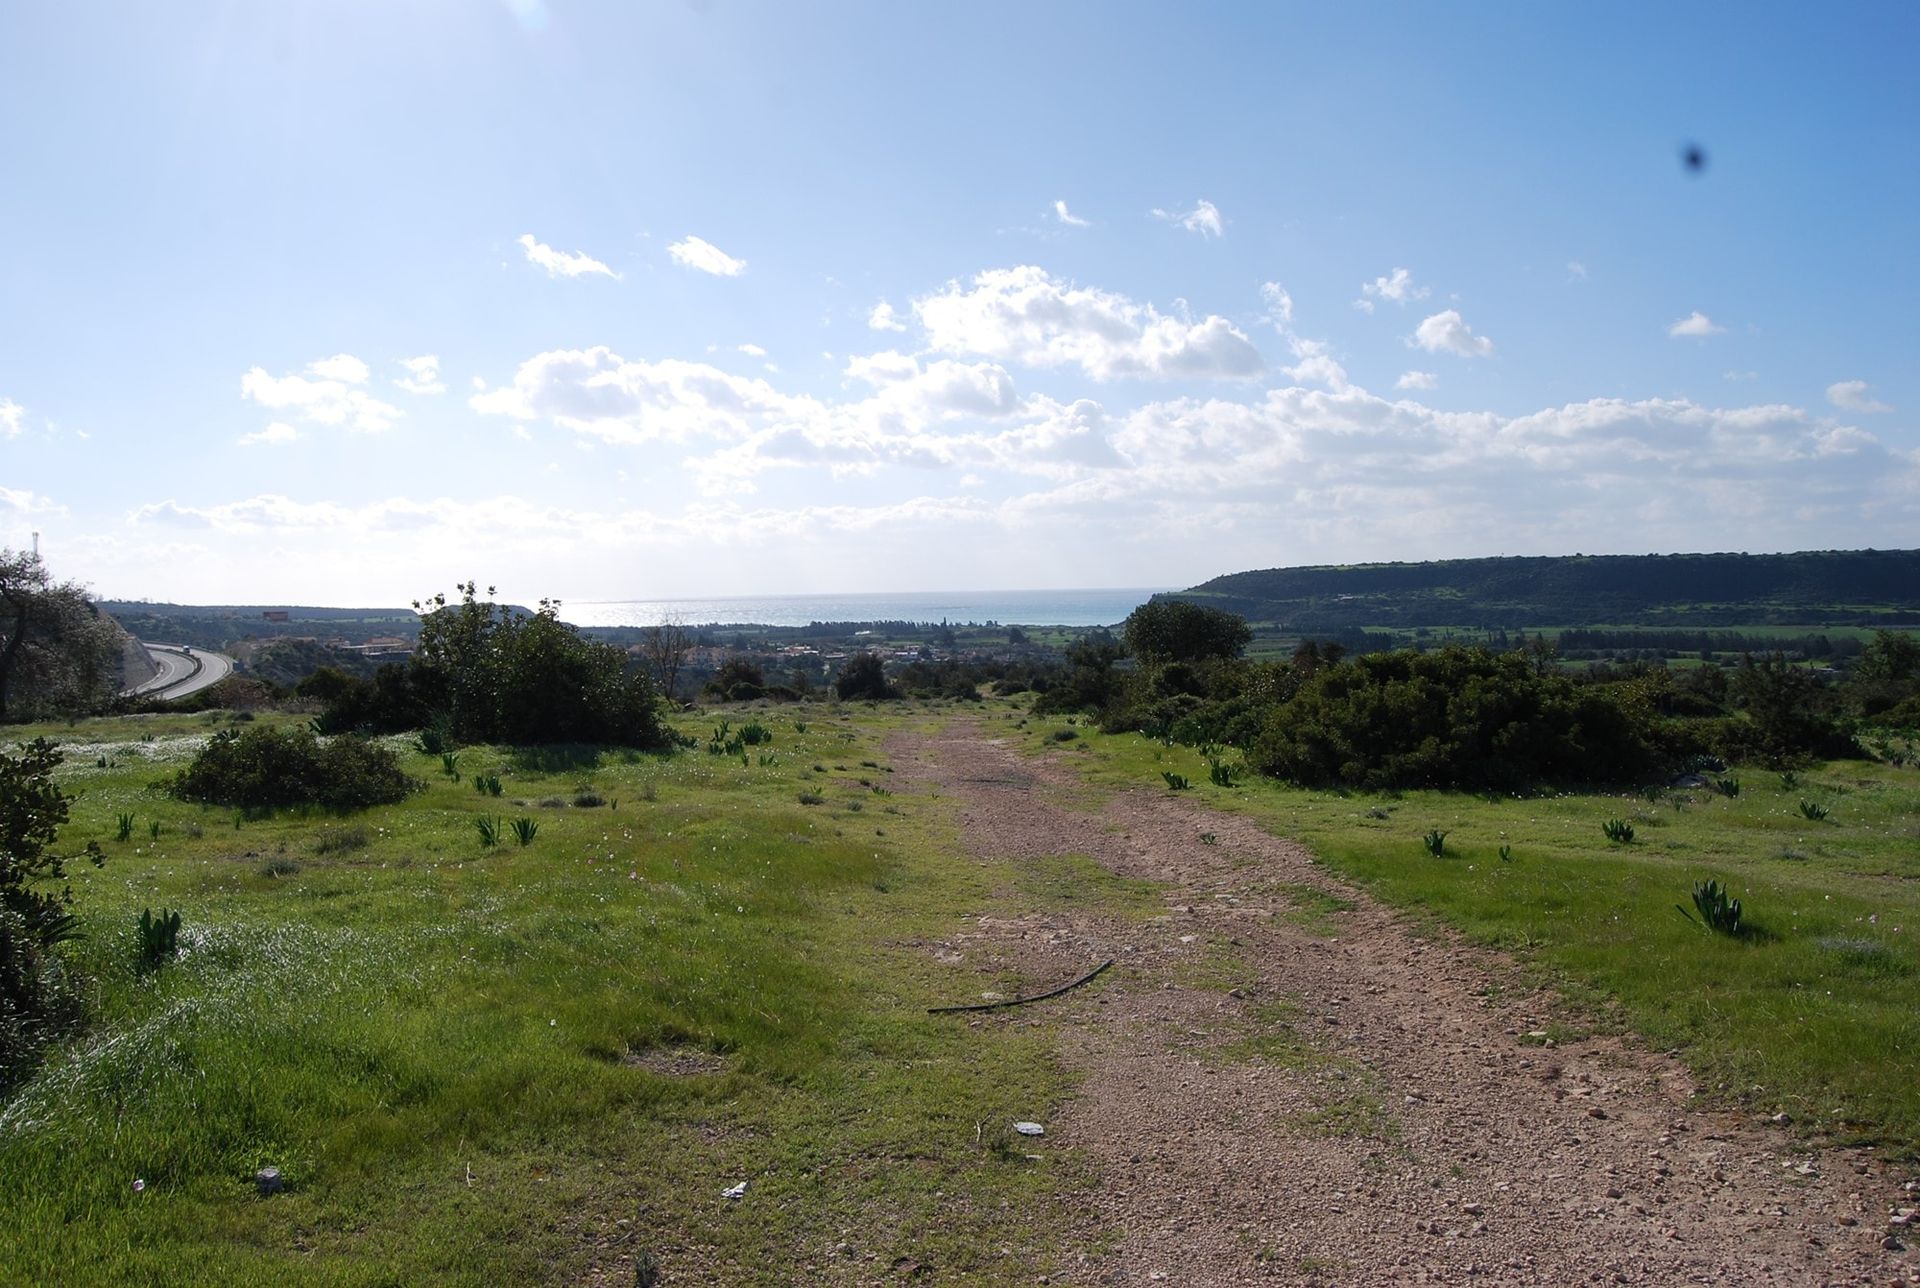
[{"x": 181, "y": 672}]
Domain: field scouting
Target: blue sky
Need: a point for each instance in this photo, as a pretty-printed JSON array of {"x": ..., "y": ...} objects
[{"x": 340, "y": 303}]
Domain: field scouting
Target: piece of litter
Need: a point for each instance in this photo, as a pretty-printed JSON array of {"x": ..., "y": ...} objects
[
  {"x": 734, "y": 1191},
  {"x": 1187, "y": 939},
  {"x": 139, "y": 1187},
  {"x": 1030, "y": 1129}
]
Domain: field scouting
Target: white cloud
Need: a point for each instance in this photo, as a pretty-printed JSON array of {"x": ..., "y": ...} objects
[
  {"x": 12, "y": 418},
  {"x": 423, "y": 375},
  {"x": 1316, "y": 365},
  {"x": 561, "y": 263},
  {"x": 596, "y": 391},
  {"x": 1204, "y": 219},
  {"x": 692, "y": 252},
  {"x": 324, "y": 396},
  {"x": 1279, "y": 304},
  {"x": 1576, "y": 271},
  {"x": 1068, "y": 218},
  {"x": 1448, "y": 332},
  {"x": 1025, "y": 316},
  {"x": 883, "y": 318},
  {"x": 342, "y": 367},
  {"x": 275, "y": 434},
  {"x": 1853, "y": 395},
  {"x": 752, "y": 350},
  {"x": 1397, "y": 287},
  {"x": 25, "y": 503},
  {"x": 1695, "y": 324},
  {"x": 1739, "y": 375},
  {"x": 1416, "y": 380}
]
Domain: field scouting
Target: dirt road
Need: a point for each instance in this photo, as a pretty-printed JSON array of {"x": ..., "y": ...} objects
[{"x": 1284, "y": 1082}]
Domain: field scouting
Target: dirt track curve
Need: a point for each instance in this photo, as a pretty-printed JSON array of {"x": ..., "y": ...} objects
[{"x": 1398, "y": 1124}]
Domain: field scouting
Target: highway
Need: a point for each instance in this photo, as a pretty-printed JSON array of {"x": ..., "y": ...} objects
[{"x": 181, "y": 672}]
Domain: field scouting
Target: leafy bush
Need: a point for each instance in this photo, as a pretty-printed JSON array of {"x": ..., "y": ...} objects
[
  {"x": 38, "y": 996},
  {"x": 263, "y": 767},
  {"x": 1436, "y": 842},
  {"x": 1813, "y": 811},
  {"x": 1727, "y": 787},
  {"x": 524, "y": 830},
  {"x": 863, "y": 676},
  {"x": 1453, "y": 718},
  {"x": 755, "y": 733},
  {"x": 1176, "y": 782},
  {"x": 489, "y": 829},
  {"x": 1618, "y": 830}
]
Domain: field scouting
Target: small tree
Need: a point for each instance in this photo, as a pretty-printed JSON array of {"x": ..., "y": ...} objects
[
  {"x": 665, "y": 647},
  {"x": 1175, "y": 630},
  {"x": 864, "y": 676}
]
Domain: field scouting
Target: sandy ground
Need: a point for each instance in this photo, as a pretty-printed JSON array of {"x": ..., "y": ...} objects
[{"x": 1275, "y": 1094}]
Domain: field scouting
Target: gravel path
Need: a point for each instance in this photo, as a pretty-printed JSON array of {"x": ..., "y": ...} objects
[{"x": 1284, "y": 1082}]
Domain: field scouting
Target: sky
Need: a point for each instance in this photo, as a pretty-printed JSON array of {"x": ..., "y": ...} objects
[{"x": 347, "y": 302}]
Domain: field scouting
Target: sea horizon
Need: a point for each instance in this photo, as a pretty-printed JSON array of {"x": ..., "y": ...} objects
[{"x": 1104, "y": 606}]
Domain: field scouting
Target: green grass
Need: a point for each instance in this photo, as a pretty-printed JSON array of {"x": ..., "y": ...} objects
[
  {"x": 443, "y": 1047},
  {"x": 1813, "y": 1013}
]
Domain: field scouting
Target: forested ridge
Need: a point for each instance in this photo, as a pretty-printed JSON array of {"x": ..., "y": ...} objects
[{"x": 1833, "y": 587}]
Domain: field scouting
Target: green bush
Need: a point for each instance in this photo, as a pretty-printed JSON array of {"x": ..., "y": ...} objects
[
  {"x": 263, "y": 768},
  {"x": 38, "y": 995},
  {"x": 863, "y": 676},
  {"x": 1453, "y": 718}
]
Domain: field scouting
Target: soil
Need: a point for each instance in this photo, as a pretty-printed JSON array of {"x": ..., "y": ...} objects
[{"x": 1285, "y": 1082}]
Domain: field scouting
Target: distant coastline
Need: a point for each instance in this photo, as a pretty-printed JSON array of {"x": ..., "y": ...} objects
[{"x": 1102, "y": 607}]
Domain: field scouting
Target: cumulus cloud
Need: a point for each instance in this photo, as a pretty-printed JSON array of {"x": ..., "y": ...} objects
[
  {"x": 1316, "y": 365},
  {"x": 1024, "y": 315},
  {"x": 562, "y": 263},
  {"x": 328, "y": 394},
  {"x": 752, "y": 350},
  {"x": 1448, "y": 332},
  {"x": 693, "y": 252},
  {"x": 1397, "y": 287},
  {"x": 23, "y": 502},
  {"x": 1695, "y": 324},
  {"x": 1855, "y": 395},
  {"x": 276, "y": 434},
  {"x": 1068, "y": 218},
  {"x": 596, "y": 391},
  {"x": 1416, "y": 380},
  {"x": 422, "y": 375},
  {"x": 883, "y": 318},
  {"x": 12, "y": 418},
  {"x": 1279, "y": 304},
  {"x": 1204, "y": 219}
]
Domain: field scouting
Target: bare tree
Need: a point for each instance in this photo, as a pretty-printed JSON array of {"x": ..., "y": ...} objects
[
  {"x": 665, "y": 647},
  {"x": 57, "y": 651}
]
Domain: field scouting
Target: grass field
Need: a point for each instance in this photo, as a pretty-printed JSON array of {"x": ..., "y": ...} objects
[
  {"x": 534, "y": 1064},
  {"x": 1813, "y": 1014},
  {"x": 520, "y": 1064}
]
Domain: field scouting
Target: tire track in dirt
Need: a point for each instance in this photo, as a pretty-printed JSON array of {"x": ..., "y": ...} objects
[{"x": 1273, "y": 1100}]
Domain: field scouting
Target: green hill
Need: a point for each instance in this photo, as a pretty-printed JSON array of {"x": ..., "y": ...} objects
[{"x": 1821, "y": 587}]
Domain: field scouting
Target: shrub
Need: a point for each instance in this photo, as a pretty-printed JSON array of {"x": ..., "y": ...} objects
[
  {"x": 1436, "y": 842},
  {"x": 1176, "y": 782},
  {"x": 863, "y": 676},
  {"x": 489, "y": 829},
  {"x": 1813, "y": 811},
  {"x": 1618, "y": 830},
  {"x": 37, "y": 994},
  {"x": 1452, "y": 718},
  {"x": 262, "y": 768},
  {"x": 524, "y": 830},
  {"x": 1175, "y": 630}
]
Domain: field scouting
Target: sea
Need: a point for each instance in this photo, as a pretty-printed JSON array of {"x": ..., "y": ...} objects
[{"x": 1104, "y": 607}]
